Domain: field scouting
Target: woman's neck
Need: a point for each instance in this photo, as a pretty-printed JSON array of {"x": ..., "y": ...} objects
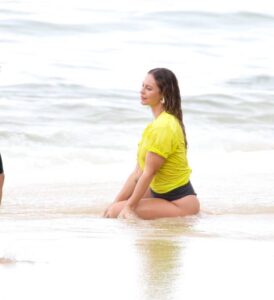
[{"x": 157, "y": 110}]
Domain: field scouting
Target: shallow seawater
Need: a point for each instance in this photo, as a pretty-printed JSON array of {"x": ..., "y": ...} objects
[
  {"x": 155, "y": 260},
  {"x": 52, "y": 251}
]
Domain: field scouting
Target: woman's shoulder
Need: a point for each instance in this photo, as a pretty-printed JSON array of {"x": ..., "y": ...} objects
[{"x": 165, "y": 121}]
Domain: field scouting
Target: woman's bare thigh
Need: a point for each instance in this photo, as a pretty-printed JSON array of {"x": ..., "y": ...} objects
[
  {"x": 154, "y": 208},
  {"x": 189, "y": 205}
]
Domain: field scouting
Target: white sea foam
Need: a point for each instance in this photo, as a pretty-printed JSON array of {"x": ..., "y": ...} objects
[{"x": 69, "y": 85}]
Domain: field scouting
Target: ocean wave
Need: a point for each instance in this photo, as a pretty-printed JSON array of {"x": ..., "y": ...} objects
[
  {"x": 13, "y": 12},
  {"x": 61, "y": 90},
  {"x": 46, "y": 28},
  {"x": 258, "y": 82},
  {"x": 65, "y": 105},
  {"x": 232, "y": 109},
  {"x": 131, "y": 22},
  {"x": 201, "y": 19},
  {"x": 73, "y": 137},
  {"x": 257, "y": 209}
]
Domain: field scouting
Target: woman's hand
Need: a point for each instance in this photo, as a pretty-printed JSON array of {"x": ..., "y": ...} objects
[
  {"x": 106, "y": 213},
  {"x": 128, "y": 213}
]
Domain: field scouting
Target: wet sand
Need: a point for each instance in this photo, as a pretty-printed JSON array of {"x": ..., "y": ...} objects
[{"x": 77, "y": 254}]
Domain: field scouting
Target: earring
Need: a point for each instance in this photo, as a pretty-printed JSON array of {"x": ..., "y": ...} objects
[{"x": 163, "y": 100}]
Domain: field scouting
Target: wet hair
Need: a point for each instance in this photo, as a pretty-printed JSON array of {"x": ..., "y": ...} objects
[{"x": 169, "y": 88}]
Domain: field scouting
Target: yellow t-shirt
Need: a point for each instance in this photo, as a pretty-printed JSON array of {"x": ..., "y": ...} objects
[{"x": 164, "y": 136}]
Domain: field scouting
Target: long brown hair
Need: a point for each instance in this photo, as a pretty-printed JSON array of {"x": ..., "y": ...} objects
[{"x": 169, "y": 88}]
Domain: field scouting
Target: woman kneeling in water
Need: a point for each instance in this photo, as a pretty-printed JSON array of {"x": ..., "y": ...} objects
[{"x": 160, "y": 185}]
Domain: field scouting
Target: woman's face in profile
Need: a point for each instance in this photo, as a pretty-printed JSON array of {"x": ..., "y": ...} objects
[{"x": 150, "y": 93}]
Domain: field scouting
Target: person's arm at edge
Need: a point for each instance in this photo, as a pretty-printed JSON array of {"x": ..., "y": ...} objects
[{"x": 2, "y": 178}]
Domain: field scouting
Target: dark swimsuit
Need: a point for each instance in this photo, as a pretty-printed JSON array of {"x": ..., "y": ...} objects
[
  {"x": 180, "y": 192},
  {"x": 1, "y": 165}
]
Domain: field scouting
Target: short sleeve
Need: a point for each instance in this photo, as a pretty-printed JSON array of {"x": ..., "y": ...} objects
[{"x": 161, "y": 141}]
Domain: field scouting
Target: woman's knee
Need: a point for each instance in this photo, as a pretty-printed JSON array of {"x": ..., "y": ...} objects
[{"x": 195, "y": 209}]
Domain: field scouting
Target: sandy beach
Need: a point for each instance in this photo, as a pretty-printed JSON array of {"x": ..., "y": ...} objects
[{"x": 55, "y": 250}]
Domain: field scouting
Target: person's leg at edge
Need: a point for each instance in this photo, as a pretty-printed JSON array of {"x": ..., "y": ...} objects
[{"x": 154, "y": 208}]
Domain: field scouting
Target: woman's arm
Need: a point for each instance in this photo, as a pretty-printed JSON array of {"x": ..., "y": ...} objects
[
  {"x": 153, "y": 163},
  {"x": 126, "y": 190},
  {"x": 129, "y": 185}
]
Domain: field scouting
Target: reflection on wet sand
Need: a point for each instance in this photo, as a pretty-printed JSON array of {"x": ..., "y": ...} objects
[
  {"x": 161, "y": 253},
  {"x": 161, "y": 267},
  {"x": 184, "y": 258}
]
